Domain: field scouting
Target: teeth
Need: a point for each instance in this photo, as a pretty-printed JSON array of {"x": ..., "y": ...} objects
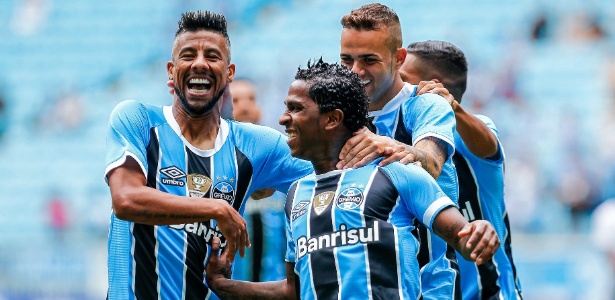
[
  {"x": 292, "y": 134},
  {"x": 199, "y": 81},
  {"x": 198, "y": 91},
  {"x": 365, "y": 82}
]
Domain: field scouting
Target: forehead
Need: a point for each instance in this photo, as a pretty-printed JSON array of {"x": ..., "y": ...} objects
[
  {"x": 204, "y": 39},
  {"x": 364, "y": 42},
  {"x": 298, "y": 92}
]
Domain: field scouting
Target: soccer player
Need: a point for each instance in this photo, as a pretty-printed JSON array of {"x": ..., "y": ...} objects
[
  {"x": 371, "y": 46},
  {"x": 349, "y": 231},
  {"x": 179, "y": 175},
  {"x": 479, "y": 161}
]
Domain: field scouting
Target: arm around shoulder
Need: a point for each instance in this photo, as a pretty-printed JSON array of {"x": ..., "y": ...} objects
[{"x": 476, "y": 135}]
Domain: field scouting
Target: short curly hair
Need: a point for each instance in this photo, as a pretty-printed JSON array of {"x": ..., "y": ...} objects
[{"x": 333, "y": 86}]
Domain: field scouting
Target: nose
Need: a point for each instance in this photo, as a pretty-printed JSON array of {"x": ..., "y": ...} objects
[
  {"x": 284, "y": 118},
  {"x": 356, "y": 68},
  {"x": 200, "y": 63}
]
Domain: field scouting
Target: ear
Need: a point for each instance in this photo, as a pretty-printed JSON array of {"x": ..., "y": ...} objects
[
  {"x": 334, "y": 119},
  {"x": 170, "y": 70},
  {"x": 401, "y": 56},
  {"x": 231, "y": 72}
]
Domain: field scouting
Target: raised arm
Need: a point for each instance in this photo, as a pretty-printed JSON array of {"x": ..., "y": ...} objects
[
  {"x": 476, "y": 241},
  {"x": 132, "y": 200},
  {"x": 479, "y": 139},
  {"x": 218, "y": 274}
]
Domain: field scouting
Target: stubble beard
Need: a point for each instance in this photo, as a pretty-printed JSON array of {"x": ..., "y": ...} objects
[{"x": 194, "y": 111}]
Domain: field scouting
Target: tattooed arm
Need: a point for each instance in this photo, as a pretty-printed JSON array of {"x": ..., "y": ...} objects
[
  {"x": 365, "y": 146},
  {"x": 133, "y": 201},
  {"x": 476, "y": 241}
]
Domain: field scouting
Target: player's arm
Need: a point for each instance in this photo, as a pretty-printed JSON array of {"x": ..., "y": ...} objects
[
  {"x": 476, "y": 241},
  {"x": 479, "y": 139},
  {"x": 365, "y": 146},
  {"x": 219, "y": 271},
  {"x": 132, "y": 200}
]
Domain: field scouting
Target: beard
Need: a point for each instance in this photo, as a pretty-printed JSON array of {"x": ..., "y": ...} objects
[{"x": 195, "y": 111}]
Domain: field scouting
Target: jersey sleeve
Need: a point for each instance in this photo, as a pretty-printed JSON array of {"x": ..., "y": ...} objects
[
  {"x": 279, "y": 169},
  {"x": 418, "y": 191},
  {"x": 127, "y": 135},
  {"x": 499, "y": 156},
  {"x": 429, "y": 115},
  {"x": 290, "y": 241}
]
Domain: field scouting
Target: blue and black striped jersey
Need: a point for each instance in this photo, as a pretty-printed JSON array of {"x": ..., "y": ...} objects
[
  {"x": 409, "y": 118},
  {"x": 168, "y": 262},
  {"x": 349, "y": 232},
  {"x": 481, "y": 197}
]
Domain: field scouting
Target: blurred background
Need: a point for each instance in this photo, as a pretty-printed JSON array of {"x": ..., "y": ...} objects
[{"x": 544, "y": 71}]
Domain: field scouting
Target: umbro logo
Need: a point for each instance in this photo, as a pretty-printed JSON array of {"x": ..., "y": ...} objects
[{"x": 173, "y": 174}]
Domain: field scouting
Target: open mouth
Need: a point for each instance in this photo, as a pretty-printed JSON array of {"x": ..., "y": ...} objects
[
  {"x": 199, "y": 85},
  {"x": 365, "y": 82}
]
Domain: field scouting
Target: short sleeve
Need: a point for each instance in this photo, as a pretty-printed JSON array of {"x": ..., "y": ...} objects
[
  {"x": 127, "y": 135},
  {"x": 418, "y": 191},
  {"x": 429, "y": 115}
]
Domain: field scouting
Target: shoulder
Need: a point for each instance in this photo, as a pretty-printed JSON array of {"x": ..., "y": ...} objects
[
  {"x": 400, "y": 173},
  {"x": 128, "y": 108},
  {"x": 486, "y": 120}
]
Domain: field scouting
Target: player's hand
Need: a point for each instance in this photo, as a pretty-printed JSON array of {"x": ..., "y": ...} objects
[
  {"x": 365, "y": 146},
  {"x": 171, "y": 86},
  {"x": 436, "y": 87},
  {"x": 233, "y": 228},
  {"x": 217, "y": 265},
  {"x": 481, "y": 243}
]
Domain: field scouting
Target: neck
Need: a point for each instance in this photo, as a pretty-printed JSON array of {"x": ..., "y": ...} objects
[
  {"x": 395, "y": 88},
  {"x": 200, "y": 131},
  {"x": 331, "y": 152}
]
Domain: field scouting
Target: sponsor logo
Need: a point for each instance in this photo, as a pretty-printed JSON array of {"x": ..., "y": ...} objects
[
  {"x": 321, "y": 201},
  {"x": 224, "y": 191},
  {"x": 299, "y": 210},
  {"x": 344, "y": 236},
  {"x": 203, "y": 230},
  {"x": 349, "y": 198},
  {"x": 174, "y": 174},
  {"x": 198, "y": 185}
]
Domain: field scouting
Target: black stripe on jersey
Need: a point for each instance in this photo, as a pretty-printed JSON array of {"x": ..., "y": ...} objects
[
  {"x": 451, "y": 255},
  {"x": 508, "y": 251},
  {"x": 195, "y": 289},
  {"x": 383, "y": 268},
  {"x": 401, "y": 132},
  {"x": 244, "y": 176},
  {"x": 195, "y": 256},
  {"x": 470, "y": 207},
  {"x": 153, "y": 156},
  {"x": 469, "y": 204},
  {"x": 199, "y": 165},
  {"x": 146, "y": 278},
  {"x": 321, "y": 261}
]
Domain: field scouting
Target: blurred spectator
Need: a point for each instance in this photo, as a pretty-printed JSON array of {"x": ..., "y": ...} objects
[
  {"x": 65, "y": 112},
  {"x": 30, "y": 16},
  {"x": 264, "y": 261},
  {"x": 603, "y": 235},
  {"x": 540, "y": 29},
  {"x": 57, "y": 214},
  {"x": 4, "y": 117},
  {"x": 580, "y": 26}
]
